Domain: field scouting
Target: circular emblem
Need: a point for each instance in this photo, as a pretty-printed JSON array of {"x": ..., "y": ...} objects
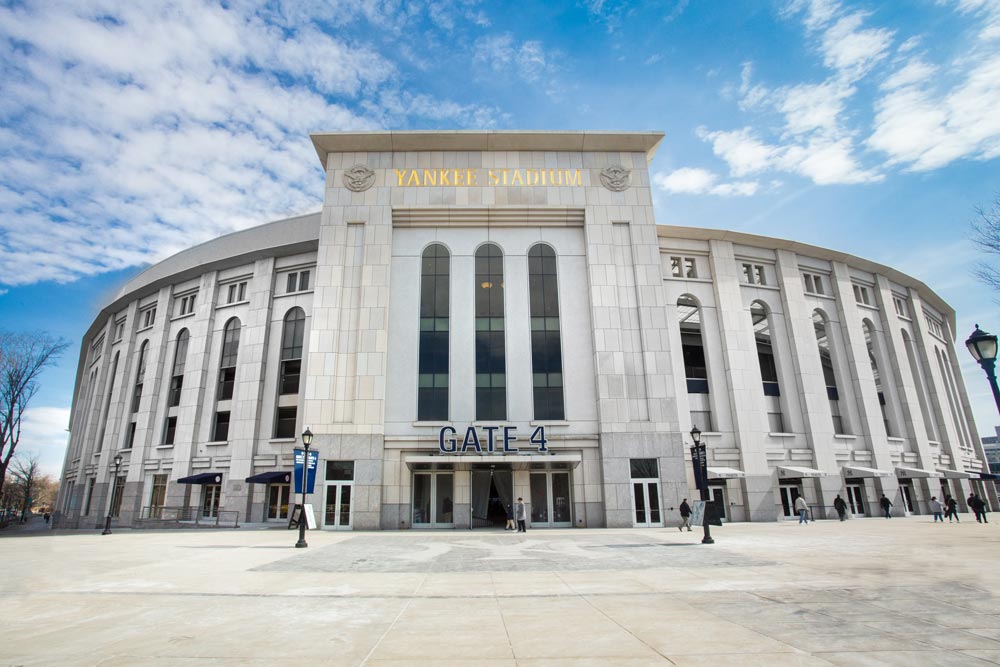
[
  {"x": 616, "y": 178},
  {"x": 359, "y": 178},
  {"x": 218, "y": 478}
]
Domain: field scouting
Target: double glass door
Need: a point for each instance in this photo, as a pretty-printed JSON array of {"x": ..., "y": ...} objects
[
  {"x": 646, "y": 503},
  {"x": 788, "y": 495},
  {"x": 550, "y": 500},
  {"x": 433, "y": 500},
  {"x": 210, "y": 496},
  {"x": 856, "y": 499},
  {"x": 337, "y": 505}
]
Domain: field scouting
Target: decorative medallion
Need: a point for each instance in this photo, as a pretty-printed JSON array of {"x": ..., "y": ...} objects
[
  {"x": 616, "y": 178},
  {"x": 359, "y": 178}
]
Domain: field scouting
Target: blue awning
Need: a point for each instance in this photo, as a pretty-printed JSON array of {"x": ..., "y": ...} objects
[
  {"x": 273, "y": 477},
  {"x": 987, "y": 475},
  {"x": 202, "y": 478}
]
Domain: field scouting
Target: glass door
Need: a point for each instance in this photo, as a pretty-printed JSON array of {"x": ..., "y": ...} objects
[
  {"x": 277, "y": 501},
  {"x": 550, "y": 500},
  {"x": 337, "y": 506},
  {"x": 788, "y": 495},
  {"x": 433, "y": 500},
  {"x": 646, "y": 503},
  {"x": 906, "y": 492},
  {"x": 210, "y": 495},
  {"x": 718, "y": 494},
  {"x": 856, "y": 499}
]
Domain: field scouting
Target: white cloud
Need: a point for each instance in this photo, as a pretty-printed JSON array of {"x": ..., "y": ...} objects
[
  {"x": 43, "y": 432},
  {"x": 503, "y": 54},
  {"x": 695, "y": 181},
  {"x": 852, "y": 50}
]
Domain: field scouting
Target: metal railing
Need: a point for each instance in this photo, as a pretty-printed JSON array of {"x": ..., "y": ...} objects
[{"x": 181, "y": 516}]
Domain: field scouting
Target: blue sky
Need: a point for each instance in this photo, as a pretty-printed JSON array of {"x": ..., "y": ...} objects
[{"x": 129, "y": 131}]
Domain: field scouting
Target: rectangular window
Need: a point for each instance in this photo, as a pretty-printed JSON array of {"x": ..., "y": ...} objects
[
  {"x": 290, "y": 373},
  {"x": 284, "y": 424},
  {"x": 753, "y": 274},
  {"x": 303, "y": 281},
  {"x": 116, "y": 498},
  {"x": 676, "y": 267},
  {"x": 136, "y": 397},
  {"x": 237, "y": 292},
  {"x": 148, "y": 317},
  {"x": 491, "y": 359},
  {"x": 176, "y": 384},
  {"x": 169, "y": 430},
  {"x": 90, "y": 495},
  {"x": 861, "y": 295},
  {"x": 227, "y": 380},
  {"x": 683, "y": 267},
  {"x": 292, "y": 282},
  {"x": 814, "y": 283},
  {"x": 643, "y": 469},
  {"x": 900, "y": 306},
  {"x": 231, "y": 298},
  {"x": 690, "y": 268},
  {"x": 297, "y": 282},
  {"x": 68, "y": 498},
  {"x": 131, "y": 436},
  {"x": 187, "y": 304},
  {"x": 220, "y": 431},
  {"x": 339, "y": 471},
  {"x": 120, "y": 330},
  {"x": 758, "y": 271}
]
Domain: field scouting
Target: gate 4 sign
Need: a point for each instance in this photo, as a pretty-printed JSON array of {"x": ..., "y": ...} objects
[
  {"x": 311, "y": 478},
  {"x": 448, "y": 441}
]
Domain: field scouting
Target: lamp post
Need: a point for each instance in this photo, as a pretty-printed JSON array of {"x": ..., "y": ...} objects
[
  {"x": 307, "y": 438},
  {"x": 699, "y": 460},
  {"x": 983, "y": 347},
  {"x": 114, "y": 488}
]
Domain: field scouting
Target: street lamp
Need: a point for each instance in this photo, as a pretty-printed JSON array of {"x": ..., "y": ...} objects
[
  {"x": 114, "y": 488},
  {"x": 307, "y": 438},
  {"x": 699, "y": 460},
  {"x": 983, "y": 347}
]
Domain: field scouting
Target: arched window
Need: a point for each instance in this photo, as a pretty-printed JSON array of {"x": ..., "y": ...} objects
[
  {"x": 177, "y": 376},
  {"x": 227, "y": 365},
  {"x": 546, "y": 345},
  {"x": 918, "y": 380},
  {"x": 107, "y": 402},
  {"x": 829, "y": 370},
  {"x": 760, "y": 319},
  {"x": 432, "y": 370},
  {"x": 869, "y": 331},
  {"x": 293, "y": 333},
  {"x": 491, "y": 362},
  {"x": 695, "y": 366},
  {"x": 140, "y": 375}
]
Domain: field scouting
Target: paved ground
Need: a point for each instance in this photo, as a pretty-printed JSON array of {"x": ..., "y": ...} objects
[{"x": 864, "y": 592}]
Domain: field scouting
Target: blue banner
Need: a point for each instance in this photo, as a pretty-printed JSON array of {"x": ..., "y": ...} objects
[{"x": 311, "y": 478}]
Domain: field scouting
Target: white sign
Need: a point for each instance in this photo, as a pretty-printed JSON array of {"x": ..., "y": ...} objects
[
  {"x": 311, "y": 518},
  {"x": 698, "y": 513}
]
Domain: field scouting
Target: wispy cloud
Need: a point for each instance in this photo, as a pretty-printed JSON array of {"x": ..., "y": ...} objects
[{"x": 695, "y": 181}]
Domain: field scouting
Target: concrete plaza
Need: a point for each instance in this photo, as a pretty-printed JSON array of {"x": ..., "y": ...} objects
[{"x": 863, "y": 592}]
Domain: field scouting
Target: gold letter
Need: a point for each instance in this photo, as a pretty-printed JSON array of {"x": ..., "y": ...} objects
[
  {"x": 399, "y": 176},
  {"x": 471, "y": 177},
  {"x": 573, "y": 178},
  {"x": 430, "y": 177},
  {"x": 414, "y": 178},
  {"x": 458, "y": 177},
  {"x": 444, "y": 177},
  {"x": 517, "y": 178},
  {"x": 494, "y": 179}
]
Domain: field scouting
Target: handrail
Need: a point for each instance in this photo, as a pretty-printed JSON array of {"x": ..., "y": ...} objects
[{"x": 188, "y": 514}]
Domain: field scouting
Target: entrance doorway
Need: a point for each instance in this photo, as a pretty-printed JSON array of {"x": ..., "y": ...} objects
[
  {"x": 856, "y": 499},
  {"x": 492, "y": 494},
  {"x": 210, "y": 495},
  {"x": 789, "y": 492},
  {"x": 337, "y": 506},
  {"x": 906, "y": 493},
  {"x": 433, "y": 500},
  {"x": 550, "y": 501},
  {"x": 718, "y": 494}
]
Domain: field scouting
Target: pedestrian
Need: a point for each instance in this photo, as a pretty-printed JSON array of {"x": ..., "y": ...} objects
[
  {"x": 936, "y": 508},
  {"x": 522, "y": 516},
  {"x": 982, "y": 508},
  {"x": 802, "y": 509},
  {"x": 978, "y": 507},
  {"x": 951, "y": 509},
  {"x": 840, "y": 506},
  {"x": 685, "y": 510},
  {"x": 886, "y": 505},
  {"x": 510, "y": 517}
]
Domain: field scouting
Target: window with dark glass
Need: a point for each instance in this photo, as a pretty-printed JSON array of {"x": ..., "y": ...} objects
[
  {"x": 829, "y": 373},
  {"x": 177, "y": 376},
  {"x": 339, "y": 470},
  {"x": 227, "y": 366},
  {"x": 546, "y": 345},
  {"x": 491, "y": 364},
  {"x": 765, "y": 354},
  {"x": 139, "y": 377},
  {"x": 292, "y": 336},
  {"x": 220, "y": 430},
  {"x": 169, "y": 430},
  {"x": 432, "y": 382},
  {"x": 695, "y": 368},
  {"x": 107, "y": 402},
  {"x": 284, "y": 424}
]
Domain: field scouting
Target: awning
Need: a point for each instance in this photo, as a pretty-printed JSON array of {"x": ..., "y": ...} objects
[
  {"x": 956, "y": 474},
  {"x": 858, "y": 471},
  {"x": 915, "y": 473},
  {"x": 725, "y": 473},
  {"x": 202, "y": 478},
  {"x": 516, "y": 461},
  {"x": 988, "y": 475},
  {"x": 796, "y": 471},
  {"x": 273, "y": 477}
]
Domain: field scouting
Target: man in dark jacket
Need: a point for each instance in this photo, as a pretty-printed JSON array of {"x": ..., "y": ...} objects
[
  {"x": 840, "y": 506},
  {"x": 685, "y": 515},
  {"x": 886, "y": 505},
  {"x": 951, "y": 509},
  {"x": 978, "y": 507}
]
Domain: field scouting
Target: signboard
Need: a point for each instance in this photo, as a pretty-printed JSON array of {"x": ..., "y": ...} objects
[
  {"x": 311, "y": 477},
  {"x": 699, "y": 460},
  {"x": 449, "y": 177},
  {"x": 489, "y": 440},
  {"x": 698, "y": 513},
  {"x": 296, "y": 514}
]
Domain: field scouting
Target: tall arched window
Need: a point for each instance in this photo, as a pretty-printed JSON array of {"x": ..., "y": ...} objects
[
  {"x": 107, "y": 402},
  {"x": 869, "y": 331},
  {"x": 227, "y": 364},
  {"x": 930, "y": 424},
  {"x": 760, "y": 319},
  {"x": 491, "y": 362},
  {"x": 546, "y": 346},
  {"x": 140, "y": 375},
  {"x": 432, "y": 370},
  {"x": 829, "y": 370},
  {"x": 293, "y": 333},
  {"x": 695, "y": 366},
  {"x": 177, "y": 376}
]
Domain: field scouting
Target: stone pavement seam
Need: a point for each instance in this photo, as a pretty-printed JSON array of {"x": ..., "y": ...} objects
[{"x": 395, "y": 620}]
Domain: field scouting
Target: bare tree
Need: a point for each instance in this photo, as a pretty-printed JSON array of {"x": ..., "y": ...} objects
[
  {"x": 986, "y": 235},
  {"x": 25, "y": 472},
  {"x": 23, "y": 357}
]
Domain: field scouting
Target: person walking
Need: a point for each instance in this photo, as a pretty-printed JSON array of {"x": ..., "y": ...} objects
[
  {"x": 522, "y": 516},
  {"x": 936, "y": 509},
  {"x": 978, "y": 507},
  {"x": 803, "y": 510},
  {"x": 685, "y": 510},
  {"x": 886, "y": 506},
  {"x": 951, "y": 509},
  {"x": 982, "y": 508},
  {"x": 840, "y": 506},
  {"x": 510, "y": 517}
]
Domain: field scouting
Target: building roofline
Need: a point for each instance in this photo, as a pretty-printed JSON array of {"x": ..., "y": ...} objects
[{"x": 485, "y": 140}]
